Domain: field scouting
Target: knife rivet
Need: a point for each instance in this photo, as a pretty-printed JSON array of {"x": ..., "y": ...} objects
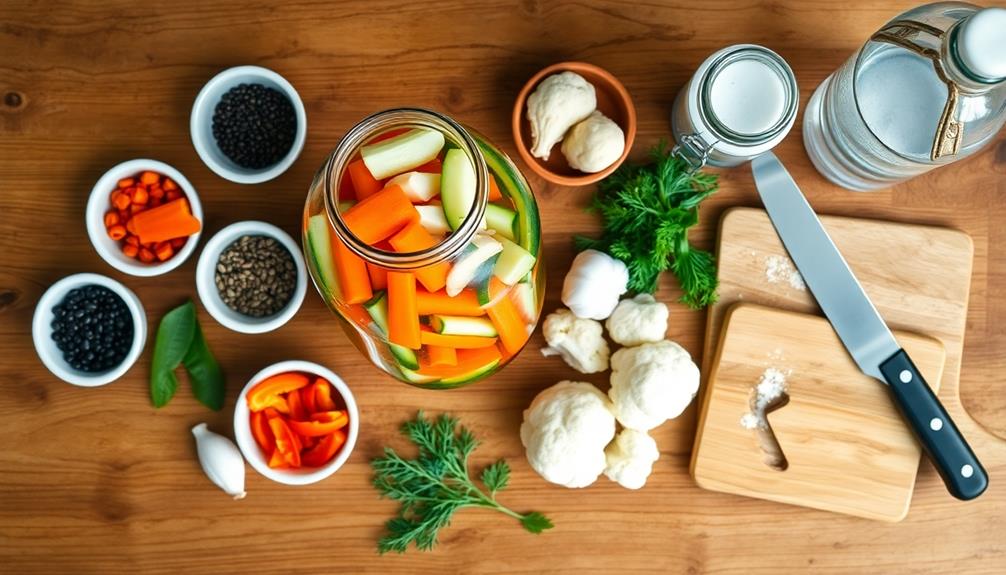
[
  {"x": 936, "y": 424},
  {"x": 967, "y": 471},
  {"x": 905, "y": 376}
]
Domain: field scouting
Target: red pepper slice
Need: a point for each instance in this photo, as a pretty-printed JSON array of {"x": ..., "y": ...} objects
[
  {"x": 261, "y": 432},
  {"x": 276, "y": 460},
  {"x": 325, "y": 450},
  {"x": 266, "y": 392},
  {"x": 323, "y": 395},
  {"x": 287, "y": 442},
  {"x": 297, "y": 409},
  {"x": 323, "y": 423}
]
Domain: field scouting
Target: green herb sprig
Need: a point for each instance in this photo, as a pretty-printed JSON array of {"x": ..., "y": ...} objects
[
  {"x": 180, "y": 341},
  {"x": 647, "y": 211},
  {"x": 436, "y": 484}
]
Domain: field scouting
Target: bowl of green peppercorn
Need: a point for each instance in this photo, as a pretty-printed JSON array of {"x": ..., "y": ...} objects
[{"x": 248, "y": 124}]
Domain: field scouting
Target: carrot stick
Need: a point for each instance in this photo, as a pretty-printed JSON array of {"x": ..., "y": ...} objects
[
  {"x": 466, "y": 303},
  {"x": 165, "y": 222},
  {"x": 413, "y": 238},
  {"x": 468, "y": 360},
  {"x": 455, "y": 341},
  {"x": 126, "y": 182},
  {"x": 494, "y": 190},
  {"x": 380, "y": 215},
  {"x": 512, "y": 329},
  {"x": 378, "y": 276},
  {"x": 347, "y": 192},
  {"x": 364, "y": 184},
  {"x": 147, "y": 178},
  {"x": 351, "y": 271},
  {"x": 440, "y": 355},
  {"x": 403, "y": 319}
]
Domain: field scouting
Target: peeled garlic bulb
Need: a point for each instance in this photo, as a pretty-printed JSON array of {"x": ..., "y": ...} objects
[{"x": 221, "y": 460}]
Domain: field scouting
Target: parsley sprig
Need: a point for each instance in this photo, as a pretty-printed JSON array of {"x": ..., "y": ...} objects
[
  {"x": 435, "y": 484},
  {"x": 647, "y": 211}
]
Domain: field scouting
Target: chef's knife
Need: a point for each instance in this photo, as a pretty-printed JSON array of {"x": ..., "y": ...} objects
[{"x": 862, "y": 330}]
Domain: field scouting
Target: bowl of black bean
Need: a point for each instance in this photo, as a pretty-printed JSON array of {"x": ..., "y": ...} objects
[
  {"x": 251, "y": 277},
  {"x": 89, "y": 329},
  {"x": 248, "y": 124}
]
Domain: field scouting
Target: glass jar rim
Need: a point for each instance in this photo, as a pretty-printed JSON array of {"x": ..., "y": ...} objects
[{"x": 363, "y": 132}]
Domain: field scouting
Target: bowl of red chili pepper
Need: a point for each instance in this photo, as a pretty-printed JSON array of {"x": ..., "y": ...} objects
[
  {"x": 296, "y": 422},
  {"x": 144, "y": 217}
]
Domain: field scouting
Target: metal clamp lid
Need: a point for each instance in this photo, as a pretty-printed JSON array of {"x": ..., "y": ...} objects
[{"x": 694, "y": 151}]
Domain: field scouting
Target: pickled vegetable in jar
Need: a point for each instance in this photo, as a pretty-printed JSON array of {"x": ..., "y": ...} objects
[{"x": 424, "y": 239}]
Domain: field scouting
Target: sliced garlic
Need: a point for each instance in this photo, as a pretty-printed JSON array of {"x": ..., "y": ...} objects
[{"x": 221, "y": 460}]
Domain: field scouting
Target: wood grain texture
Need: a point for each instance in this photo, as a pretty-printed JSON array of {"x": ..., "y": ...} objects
[
  {"x": 846, "y": 448},
  {"x": 97, "y": 481}
]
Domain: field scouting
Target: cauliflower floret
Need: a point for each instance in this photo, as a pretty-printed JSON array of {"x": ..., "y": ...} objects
[
  {"x": 630, "y": 458},
  {"x": 651, "y": 383},
  {"x": 579, "y": 341},
  {"x": 558, "y": 102},
  {"x": 641, "y": 319},
  {"x": 565, "y": 430},
  {"x": 593, "y": 144}
]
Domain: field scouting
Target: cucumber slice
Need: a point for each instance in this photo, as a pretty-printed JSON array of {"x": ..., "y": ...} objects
[
  {"x": 527, "y": 304},
  {"x": 416, "y": 377},
  {"x": 459, "y": 325},
  {"x": 319, "y": 247},
  {"x": 502, "y": 220},
  {"x": 432, "y": 218},
  {"x": 402, "y": 153},
  {"x": 377, "y": 307},
  {"x": 514, "y": 262},
  {"x": 465, "y": 268},
  {"x": 420, "y": 187},
  {"x": 474, "y": 374},
  {"x": 513, "y": 186},
  {"x": 457, "y": 187}
]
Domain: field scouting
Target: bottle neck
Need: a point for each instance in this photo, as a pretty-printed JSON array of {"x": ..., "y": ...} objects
[{"x": 956, "y": 69}]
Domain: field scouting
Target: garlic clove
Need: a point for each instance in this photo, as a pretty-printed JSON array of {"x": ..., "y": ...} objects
[{"x": 221, "y": 461}]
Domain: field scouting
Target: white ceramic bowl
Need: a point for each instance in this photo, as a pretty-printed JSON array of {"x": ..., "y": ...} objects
[
  {"x": 206, "y": 271},
  {"x": 201, "y": 123},
  {"x": 52, "y": 358},
  {"x": 259, "y": 460},
  {"x": 99, "y": 202}
]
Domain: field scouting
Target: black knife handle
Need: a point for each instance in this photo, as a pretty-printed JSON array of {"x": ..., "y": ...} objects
[{"x": 942, "y": 441}]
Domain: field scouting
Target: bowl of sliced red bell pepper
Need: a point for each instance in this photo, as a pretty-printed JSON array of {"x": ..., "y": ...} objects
[{"x": 296, "y": 422}]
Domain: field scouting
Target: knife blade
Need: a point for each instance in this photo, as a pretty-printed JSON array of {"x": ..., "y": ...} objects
[{"x": 862, "y": 330}]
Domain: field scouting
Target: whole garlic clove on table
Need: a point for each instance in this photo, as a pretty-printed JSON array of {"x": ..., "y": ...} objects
[{"x": 221, "y": 461}]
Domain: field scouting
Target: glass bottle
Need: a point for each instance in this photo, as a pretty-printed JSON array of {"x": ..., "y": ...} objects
[{"x": 926, "y": 90}]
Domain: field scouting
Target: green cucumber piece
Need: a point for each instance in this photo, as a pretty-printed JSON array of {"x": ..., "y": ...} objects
[
  {"x": 514, "y": 262},
  {"x": 481, "y": 281},
  {"x": 377, "y": 307},
  {"x": 457, "y": 187},
  {"x": 402, "y": 153},
  {"x": 458, "y": 325},
  {"x": 514, "y": 186},
  {"x": 415, "y": 377},
  {"x": 319, "y": 246},
  {"x": 433, "y": 220},
  {"x": 474, "y": 374},
  {"x": 502, "y": 220},
  {"x": 466, "y": 267}
]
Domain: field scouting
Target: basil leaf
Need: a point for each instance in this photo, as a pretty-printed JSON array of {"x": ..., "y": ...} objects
[
  {"x": 205, "y": 376},
  {"x": 174, "y": 336}
]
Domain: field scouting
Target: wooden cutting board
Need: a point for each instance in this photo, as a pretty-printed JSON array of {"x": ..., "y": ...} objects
[
  {"x": 844, "y": 447},
  {"x": 917, "y": 276}
]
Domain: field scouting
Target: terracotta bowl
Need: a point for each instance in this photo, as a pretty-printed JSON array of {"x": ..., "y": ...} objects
[{"x": 612, "y": 100}]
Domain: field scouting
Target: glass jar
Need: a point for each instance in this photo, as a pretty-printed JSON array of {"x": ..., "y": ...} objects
[{"x": 432, "y": 310}]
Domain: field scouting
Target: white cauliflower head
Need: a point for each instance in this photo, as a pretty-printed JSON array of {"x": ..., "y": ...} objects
[
  {"x": 641, "y": 319},
  {"x": 593, "y": 144},
  {"x": 565, "y": 430},
  {"x": 579, "y": 341},
  {"x": 558, "y": 102},
  {"x": 651, "y": 383},
  {"x": 630, "y": 458}
]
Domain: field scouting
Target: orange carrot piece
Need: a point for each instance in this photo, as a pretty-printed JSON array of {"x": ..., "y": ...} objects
[
  {"x": 381, "y": 215},
  {"x": 146, "y": 256},
  {"x": 156, "y": 193},
  {"x": 494, "y": 190},
  {"x": 347, "y": 192},
  {"x": 172, "y": 195},
  {"x": 351, "y": 270},
  {"x": 111, "y": 218},
  {"x": 121, "y": 200},
  {"x": 466, "y": 303},
  {"x": 168, "y": 184},
  {"x": 165, "y": 222},
  {"x": 468, "y": 360},
  {"x": 456, "y": 341},
  {"x": 132, "y": 240},
  {"x": 413, "y": 238},
  {"x": 364, "y": 184},
  {"x": 432, "y": 167},
  {"x": 140, "y": 197},
  {"x": 148, "y": 178},
  {"x": 179, "y": 243},
  {"x": 164, "y": 251},
  {"x": 117, "y": 232},
  {"x": 125, "y": 182},
  {"x": 511, "y": 327},
  {"x": 136, "y": 208},
  {"x": 130, "y": 250},
  {"x": 403, "y": 319},
  {"x": 440, "y": 355},
  {"x": 387, "y": 135},
  {"x": 378, "y": 276}
]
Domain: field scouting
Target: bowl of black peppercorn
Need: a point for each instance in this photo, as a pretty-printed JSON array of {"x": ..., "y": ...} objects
[
  {"x": 89, "y": 329},
  {"x": 248, "y": 124}
]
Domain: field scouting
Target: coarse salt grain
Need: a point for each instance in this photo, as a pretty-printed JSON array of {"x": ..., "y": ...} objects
[
  {"x": 770, "y": 387},
  {"x": 779, "y": 269}
]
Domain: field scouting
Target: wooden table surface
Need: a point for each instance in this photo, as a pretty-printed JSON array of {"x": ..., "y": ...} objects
[{"x": 98, "y": 481}]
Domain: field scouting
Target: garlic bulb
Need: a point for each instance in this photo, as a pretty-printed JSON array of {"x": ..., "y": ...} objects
[
  {"x": 558, "y": 102},
  {"x": 221, "y": 460},
  {"x": 593, "y": 144},
  {"x": 594, "y": 284}
]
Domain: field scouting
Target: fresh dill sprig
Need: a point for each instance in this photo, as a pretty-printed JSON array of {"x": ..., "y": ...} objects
[
  {"x": 436, "y": 484},
  {"x": 647, "y": 211}
]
